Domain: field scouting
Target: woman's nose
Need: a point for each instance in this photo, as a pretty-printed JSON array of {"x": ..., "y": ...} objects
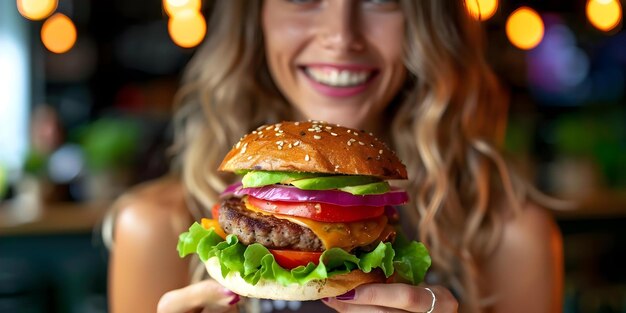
[{"x": 339, "y": 27}]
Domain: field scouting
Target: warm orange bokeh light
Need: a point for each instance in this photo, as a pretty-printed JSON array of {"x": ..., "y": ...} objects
[
  {"x": 481, "y": 9},
  {"x": 173, "y": 7},
  {"x": 604, "y": 14},
  {"x": 36, "y": 9},
  {"x": 58, "y": 33},
  {"x": 187, "y": 28},
  {"x": 524, "y": 28}
]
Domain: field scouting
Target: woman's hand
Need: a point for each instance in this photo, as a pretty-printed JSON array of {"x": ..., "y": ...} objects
[
  {"x": 207, "y": 294},
  {"x": 395, "y": 298}
]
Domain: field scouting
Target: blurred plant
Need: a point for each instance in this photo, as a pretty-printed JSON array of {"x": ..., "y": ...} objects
[
  {"x": 4, "y": 182},
  {"x": 600, "y": 136},
  {"x": 110, "y": 143}
]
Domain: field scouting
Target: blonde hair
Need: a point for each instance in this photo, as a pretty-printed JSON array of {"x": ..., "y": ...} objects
[{"x": 445, "y": 128}]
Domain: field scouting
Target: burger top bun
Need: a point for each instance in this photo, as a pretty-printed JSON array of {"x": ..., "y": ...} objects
[
  {"x": 315, "y": 147},
  {"x": 314, "y": 290}
]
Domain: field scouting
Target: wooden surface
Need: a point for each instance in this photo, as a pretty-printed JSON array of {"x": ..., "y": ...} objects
[{"x": 60, "y": 218}]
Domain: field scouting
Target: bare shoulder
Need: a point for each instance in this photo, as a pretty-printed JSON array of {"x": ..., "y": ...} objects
[
  {"x": 156, "y": 205},
  {"x": 528, "y": 263},
  {"x": 528, "y": 229},
  {"x": 144, "y": 263}
]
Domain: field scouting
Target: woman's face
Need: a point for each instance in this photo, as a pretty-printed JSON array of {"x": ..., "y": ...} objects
[{"x": 339, "y": 61}]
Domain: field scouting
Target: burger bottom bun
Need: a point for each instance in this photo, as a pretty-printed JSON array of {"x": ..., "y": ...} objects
[{"x": 313, "y": 290}]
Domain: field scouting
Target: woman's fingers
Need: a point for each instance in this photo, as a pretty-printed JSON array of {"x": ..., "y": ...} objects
[
  {"x": 345, "y": 307},
  {"x": 205, "y": 294},
  {"x": 402, "y": 297}
]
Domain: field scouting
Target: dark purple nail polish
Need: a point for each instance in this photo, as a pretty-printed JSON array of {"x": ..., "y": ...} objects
[
  {"x": 234, "y": 300},
  {"x": 325, "y": 299},
  {"x": 346, "y": 296}
]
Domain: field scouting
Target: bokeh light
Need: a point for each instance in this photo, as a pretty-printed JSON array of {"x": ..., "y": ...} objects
[
  {"x": 58, "y": 33},
  {"x": 174, "y": 7},
  {"x": 481, "y": 9},
  {"x": 604, "y": 14},
  {"x": 36, "y": 9},
  {"x": 187, "y": 28},
  {"x": 525, "y": 28}
]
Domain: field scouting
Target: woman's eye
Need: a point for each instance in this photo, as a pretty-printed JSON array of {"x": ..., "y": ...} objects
[
  {"x": 382, "y": 1},
  {"x": 386, "y": 4},
  {"x": 302, "y": 1}
]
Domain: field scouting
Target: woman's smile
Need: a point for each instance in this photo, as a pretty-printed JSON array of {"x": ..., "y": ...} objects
[{"x": 335, "y": 80}]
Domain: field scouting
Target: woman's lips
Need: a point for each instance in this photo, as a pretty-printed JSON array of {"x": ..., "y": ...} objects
[{"x": 339, "y": 80}]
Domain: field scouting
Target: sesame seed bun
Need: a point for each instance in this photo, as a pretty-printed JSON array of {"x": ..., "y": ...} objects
[
  {"x": 314, "y": 290},
  {"x": 315, "y": 147}
]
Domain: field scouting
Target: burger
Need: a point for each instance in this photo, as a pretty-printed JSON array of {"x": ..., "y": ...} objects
[{"x": 312, "y": 217}]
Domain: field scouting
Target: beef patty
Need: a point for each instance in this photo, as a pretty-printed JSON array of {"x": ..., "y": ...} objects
[{"x": 271, "y": 232}]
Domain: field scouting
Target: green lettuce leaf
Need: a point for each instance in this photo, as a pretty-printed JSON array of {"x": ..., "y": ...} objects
[
  {"x": 412, "y": 259},
  {"x": 409, "y": 259}
]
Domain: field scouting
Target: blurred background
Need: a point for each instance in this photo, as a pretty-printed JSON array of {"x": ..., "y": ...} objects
[{"x": 86, "y": 92}]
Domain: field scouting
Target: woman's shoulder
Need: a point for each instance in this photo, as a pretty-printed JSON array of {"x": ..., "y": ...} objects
[
  {"x": 157, "y": 206},
  {"x": 532, "y": 225}
]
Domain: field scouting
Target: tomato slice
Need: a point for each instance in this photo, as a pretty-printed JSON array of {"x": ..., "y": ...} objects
[
  {"x": 214, "y": 211},
  {"x": 322, "y": 212},
  {"x": 290, "y": 259}
]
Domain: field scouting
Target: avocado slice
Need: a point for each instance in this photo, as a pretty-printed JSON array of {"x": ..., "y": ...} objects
[
  {"x": 333, "y": 182},
  {"x": 367, "y": 189},
  {"x": 264, "y": 178}
]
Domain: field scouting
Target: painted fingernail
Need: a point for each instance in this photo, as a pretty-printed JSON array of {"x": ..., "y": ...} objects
[
  {"x": 325, "y": 299},
  {"x": 346, "y": 296},
  {"x": 234, "y": 300},
  {"x": 227, "y": 292}
]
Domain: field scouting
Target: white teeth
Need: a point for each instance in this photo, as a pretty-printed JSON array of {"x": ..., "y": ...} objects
[{"x": 338, "y": 78}]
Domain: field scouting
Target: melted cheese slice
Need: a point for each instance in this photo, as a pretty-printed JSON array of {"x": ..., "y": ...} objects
[{"x": 336, "y": 235}]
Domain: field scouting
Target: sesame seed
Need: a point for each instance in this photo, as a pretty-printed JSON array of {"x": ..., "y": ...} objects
[
  {"x": 371, "y": 134},
  {"x": 352, "y": 139},
  {"x": 311, "y": 129},
  {"x": 307, "y": 158},
  {"x": 238, "y": 144},
  {"x": 250, "y": 157},
  {"x": 290, "y": 146},
  {"x": 317, "y": 137},
  {"x": 349, "y": 131},
  {"x": 380, "y": 151},
  {"x": 245, "y": 146},
  {"x": 349, "y": 143},
  {"x": 333, "y": 134},
  {"x": 336, "y": 166},
  {"x": 280, "y": 147},
  {"x": 355, "y": 133},
  {"x": 296, "y": 123},
  {"x": 278, "y": 134},
  {"x": 361, "y": 143},
  {"x": 254, "y": 132},
  {"x": 328, "y": 127},
  {"x": 296, "y": 143},
  {"x": 280, "y": 142},
  {"x": 268, "y": 127}
]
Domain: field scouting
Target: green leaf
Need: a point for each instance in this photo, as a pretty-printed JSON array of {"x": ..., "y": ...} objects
[
  {"x": 254, "y": 262},
  {"x": 411, "y": 260}
]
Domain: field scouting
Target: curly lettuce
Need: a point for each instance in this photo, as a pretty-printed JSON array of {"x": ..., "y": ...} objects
[{"x": 409, "y": 259}]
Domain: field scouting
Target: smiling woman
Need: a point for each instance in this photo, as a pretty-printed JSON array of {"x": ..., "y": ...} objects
[
  {"x": 343, "y": 64},
  {"x": 411, "y": 72}
]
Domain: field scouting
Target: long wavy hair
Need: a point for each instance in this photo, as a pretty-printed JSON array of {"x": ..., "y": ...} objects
[{"x": 446, "y": 126}]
